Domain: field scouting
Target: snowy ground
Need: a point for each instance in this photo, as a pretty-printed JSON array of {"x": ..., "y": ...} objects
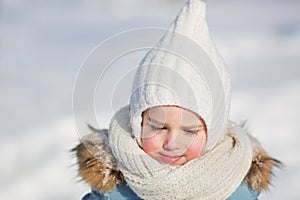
[{"x": 42, "y": 44}]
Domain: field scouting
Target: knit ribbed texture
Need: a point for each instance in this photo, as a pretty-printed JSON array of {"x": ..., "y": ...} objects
[
  {"x": 214, "y": 176},
  {"x": 184, "y": 69}
]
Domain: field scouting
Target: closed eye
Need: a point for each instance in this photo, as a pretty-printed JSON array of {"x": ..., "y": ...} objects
[
  {"x": 192, "y": 132},
  {"x": 157, "y": 128}
]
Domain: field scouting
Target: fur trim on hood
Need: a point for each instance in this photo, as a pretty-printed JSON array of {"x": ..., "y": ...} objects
[{"x": 97, "y": 166}]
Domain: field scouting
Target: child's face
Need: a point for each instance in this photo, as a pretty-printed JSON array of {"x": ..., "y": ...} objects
[{"x": 172, "y": 135}]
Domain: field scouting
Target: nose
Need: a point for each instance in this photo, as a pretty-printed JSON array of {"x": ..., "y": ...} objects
[{"x": 171, "y": 142}]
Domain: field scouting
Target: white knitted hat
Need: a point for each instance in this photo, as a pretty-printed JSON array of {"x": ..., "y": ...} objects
[{"x": 184, "y": 69}]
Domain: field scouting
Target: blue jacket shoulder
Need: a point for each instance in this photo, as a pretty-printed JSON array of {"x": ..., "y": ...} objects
[
  {"x": 245, "y": 192},
  {"x": 121, "y": 192}
]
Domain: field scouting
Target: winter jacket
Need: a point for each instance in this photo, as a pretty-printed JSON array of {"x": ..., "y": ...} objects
[
  {"x": 94, "y": 171},
  {"x": 123, "y": 192}
]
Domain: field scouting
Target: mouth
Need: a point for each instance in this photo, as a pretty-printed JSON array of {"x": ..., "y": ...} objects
[{"x": 169, "y": 159}]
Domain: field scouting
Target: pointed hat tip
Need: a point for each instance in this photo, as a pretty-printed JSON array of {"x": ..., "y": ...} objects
[{"x": 197, "y": 7}]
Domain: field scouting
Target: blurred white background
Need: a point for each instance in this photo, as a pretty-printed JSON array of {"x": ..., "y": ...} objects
[{"x": 43, "y": 43}]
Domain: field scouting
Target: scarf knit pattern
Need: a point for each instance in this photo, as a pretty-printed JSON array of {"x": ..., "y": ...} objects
[{"x": 216, "y": 175}]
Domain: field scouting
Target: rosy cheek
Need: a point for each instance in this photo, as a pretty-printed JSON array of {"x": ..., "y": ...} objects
[
  {"x": 196, "y": 149},
  {"x": 151, "y": 145}
]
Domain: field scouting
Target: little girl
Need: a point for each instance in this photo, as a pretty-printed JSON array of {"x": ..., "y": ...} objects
[{"x": 174, "y": 139}]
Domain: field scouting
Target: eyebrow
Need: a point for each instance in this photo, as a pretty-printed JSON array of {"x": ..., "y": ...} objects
[
  {"x": 192, "y": 126},
  {"x": 154, "y": 120},
  {"x": 183, "y": 127}
]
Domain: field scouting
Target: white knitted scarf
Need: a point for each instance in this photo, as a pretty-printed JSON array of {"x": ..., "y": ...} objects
[{"x": 213, "y": 176}]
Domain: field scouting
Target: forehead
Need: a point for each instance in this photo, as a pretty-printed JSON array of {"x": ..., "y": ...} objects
[{"x": 171, "y": 114}]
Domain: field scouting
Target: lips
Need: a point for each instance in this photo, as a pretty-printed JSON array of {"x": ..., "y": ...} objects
[{"x": 169, "y": 159}]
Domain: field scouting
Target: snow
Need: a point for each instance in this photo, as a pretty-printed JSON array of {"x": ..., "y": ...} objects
[{"x": 43, "y": 43}]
